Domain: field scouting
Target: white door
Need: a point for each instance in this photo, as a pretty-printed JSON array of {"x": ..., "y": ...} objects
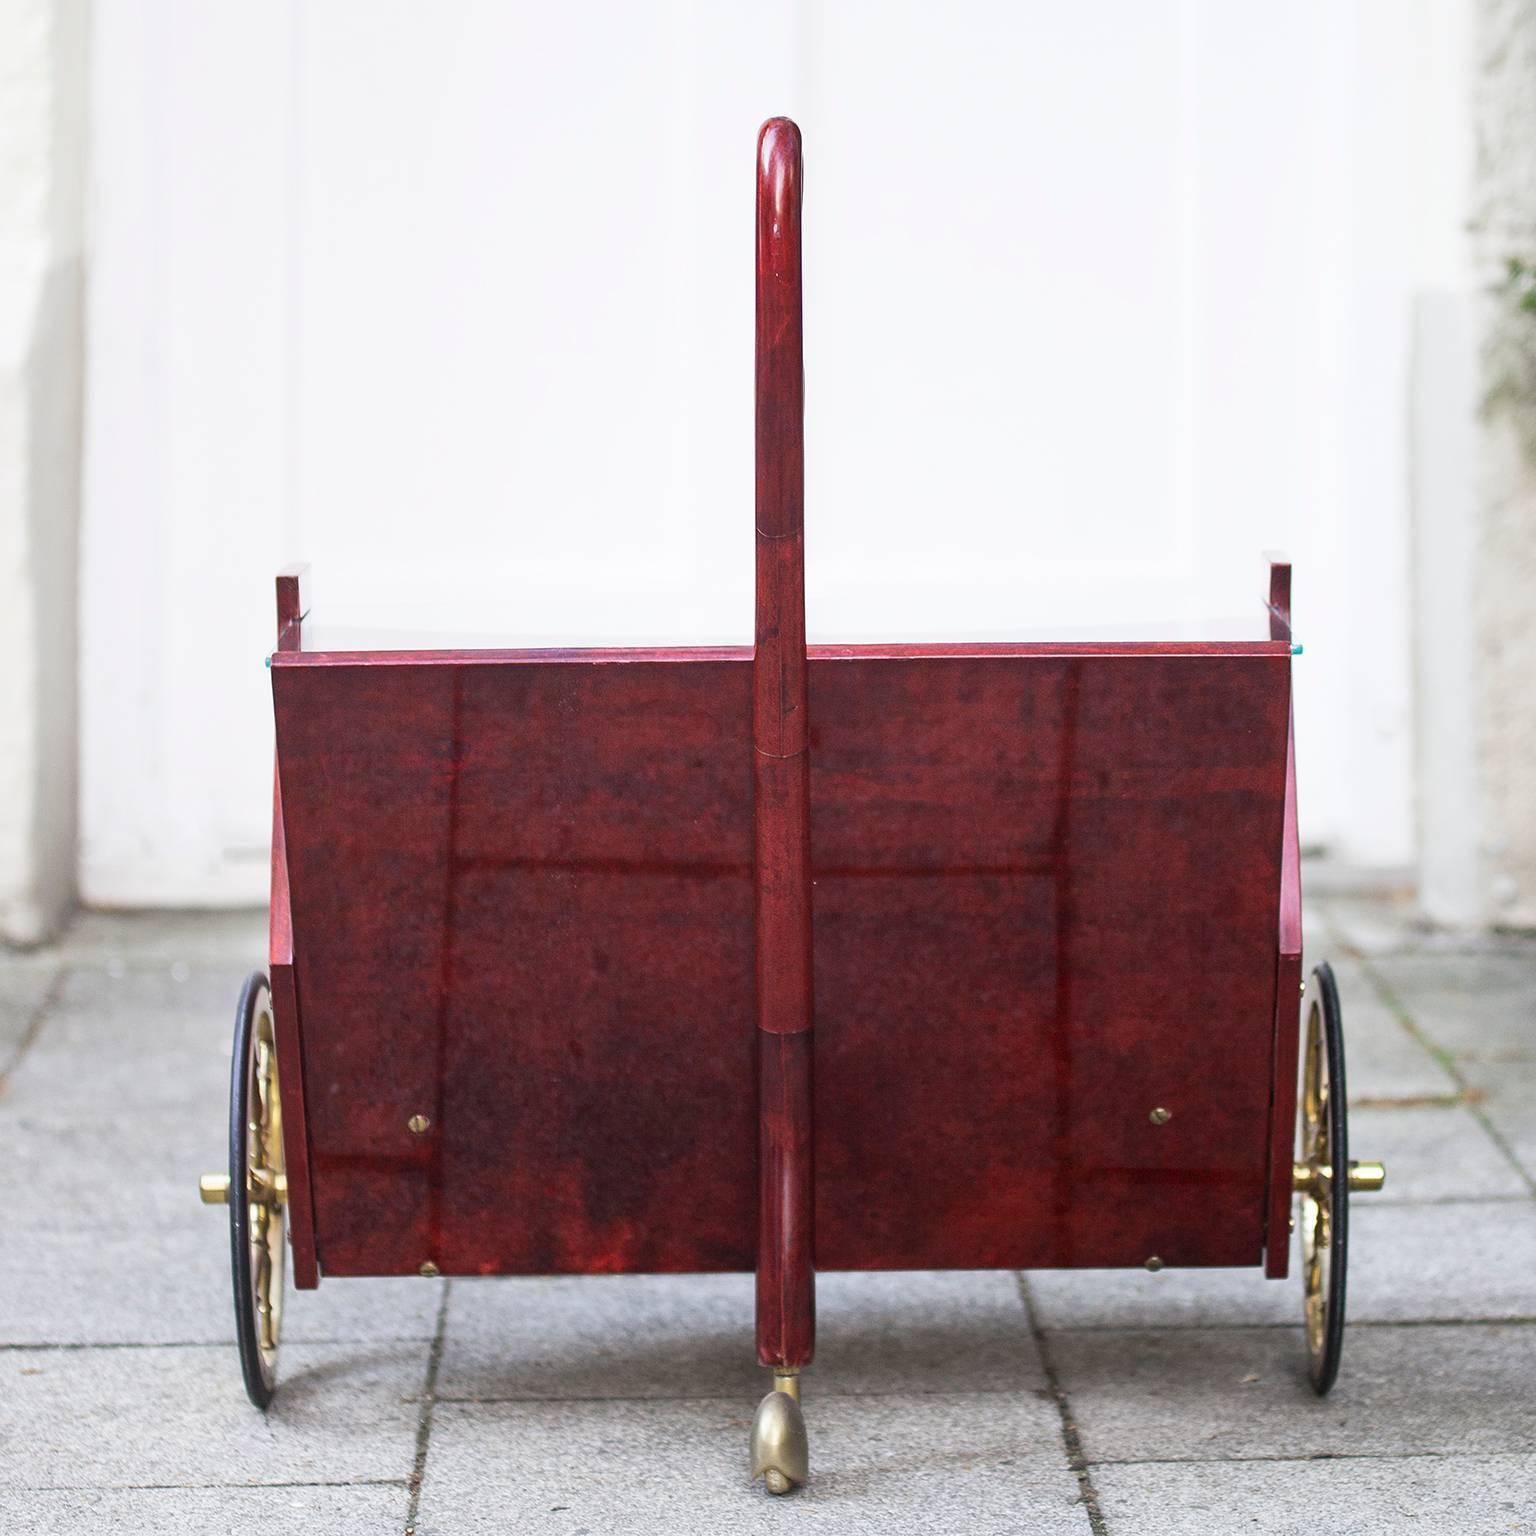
[{"x": 455, "y": 302}]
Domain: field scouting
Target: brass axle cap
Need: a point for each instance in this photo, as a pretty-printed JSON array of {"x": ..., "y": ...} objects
[{"x": 1364, "y": 1178}]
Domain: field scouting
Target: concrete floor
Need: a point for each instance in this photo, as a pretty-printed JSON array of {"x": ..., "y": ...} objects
[{"x": 1086, "y": 1402}]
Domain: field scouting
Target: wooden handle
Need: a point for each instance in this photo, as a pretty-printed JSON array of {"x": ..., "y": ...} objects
[
  {"x": 779, "y": 671},
  {"x": 778, "y": 666},
  {"x": 780, "y": 370},
  {"x": 785, "y": 1279}
]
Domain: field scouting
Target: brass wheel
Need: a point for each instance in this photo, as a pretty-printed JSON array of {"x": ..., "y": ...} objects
[
  {"x": 1324, "y": 1214},
  {"x": 258, "y": 1190}
]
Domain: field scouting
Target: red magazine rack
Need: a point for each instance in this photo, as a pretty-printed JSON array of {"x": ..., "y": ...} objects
[{"x": 784, "y": 958}]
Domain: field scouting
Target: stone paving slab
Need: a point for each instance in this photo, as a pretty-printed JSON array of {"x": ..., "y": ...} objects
[
  {"x": 966, "y": 1463},
  {"x": 1383, "y": 1496},
  {"x": 944, "y": 1331},
  {"x": 24, "y": 987},
  {"x": 627, "y": 1401},
  {"x": 348, "y": 1510},
  {"x": 358, "y": 1311},
  {"x": 1175, "y": 1298},
  {"x": 601, "y": 1336},
  {"x": 101, "y": 1160},
  {"x": 1468, "y": 1262},
  {"x": 129, "y": 1417},
  {"x": 126, "y": 1284},
  {"x": 71, "y": 1171},
  {"x": 1382, "y": 1058},
  {"x": 1229, "y": 1394},
  {"x": 1508, "y": 1103},
  {"x": 1316, "y": 939},
  {"x": 69, "y": 1288},
  {"x": 237, "y": 936},
  {"x": 90, "y": 1200},
  {"x": 1373, "y": 925},
  {"x": 1476, "y": 1006},
  {"x": 1432, "y": 1152},
  {"x": 153, "y": 1042},
  {"x": 692, "y": 1335}
]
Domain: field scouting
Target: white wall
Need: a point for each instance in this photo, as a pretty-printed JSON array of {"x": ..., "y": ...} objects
[
  {"x": 455, "y": 302},
  {"x": 1475, "y": 505},
  {"x": 42, "y": 150}
]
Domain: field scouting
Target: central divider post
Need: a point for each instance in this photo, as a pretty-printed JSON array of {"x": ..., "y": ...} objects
[{"x": 786, "y": 1297}]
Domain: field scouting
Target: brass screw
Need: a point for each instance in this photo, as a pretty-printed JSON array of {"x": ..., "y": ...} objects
[
  {"x": 1154, "y": 1264},
  {"x": 418, "y": 1125},
  {"x": 430, "y": 1270},
  {"x": 1160, "y": 1116}
]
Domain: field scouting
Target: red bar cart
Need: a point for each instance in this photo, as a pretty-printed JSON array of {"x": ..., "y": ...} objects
[{"x": 784, "y": 958}]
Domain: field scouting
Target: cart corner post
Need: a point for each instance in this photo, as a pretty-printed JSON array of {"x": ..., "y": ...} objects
[
  {"x": 1278, "y": 599},
  {"x": 293, "y": 604},
  {"x": 294, "y": 595},
  {"x": 781, "y": 790},
  {"x": 1288, "y": 951}
]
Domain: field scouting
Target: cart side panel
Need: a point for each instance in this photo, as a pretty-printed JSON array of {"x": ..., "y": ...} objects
[
  {"x": 522, "y": 901},
  {"x": 1045, "y": 905},
  {"x": 1282, "y": 1129},
  {"x": 285, "y": 1027}
]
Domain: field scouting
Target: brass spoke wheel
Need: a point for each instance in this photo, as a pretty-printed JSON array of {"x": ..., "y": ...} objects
[
  {"x": 1324, "y": 1177},
  {"x": 258, "y": 1190}
]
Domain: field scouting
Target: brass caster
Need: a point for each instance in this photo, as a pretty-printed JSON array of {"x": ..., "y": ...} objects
[{"x": 780, "y": 1449}]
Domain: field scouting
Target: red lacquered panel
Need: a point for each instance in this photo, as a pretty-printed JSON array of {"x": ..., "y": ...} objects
[
  {"x": 1045, "y": 905},
  {"x": 522, "y": 902}
]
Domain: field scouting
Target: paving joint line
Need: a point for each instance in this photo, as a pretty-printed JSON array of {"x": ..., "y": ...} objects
[
  {"x": 1260, "y": 1326},
  {"x": 34, "y": 1026},
  {"x": 1071, "y": 1437},
  {"x": 318, "y": 1482},
  {"x": 1309, "y": 1456},
  {"x": 823, "y": 1395},
  {"x": 1378, "y": 1203},
  {"x": 46, "y": 1346},
  {"x": 1442, "y": 1058},
  {"x": 1255, "y": 1325},
  {"x": 428, "y": 1404}
]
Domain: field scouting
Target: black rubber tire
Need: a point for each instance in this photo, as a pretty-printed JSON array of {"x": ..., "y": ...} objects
[
  {"x": 1324, "y": 1365},
  {"x": 260, "y": 1376}
]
